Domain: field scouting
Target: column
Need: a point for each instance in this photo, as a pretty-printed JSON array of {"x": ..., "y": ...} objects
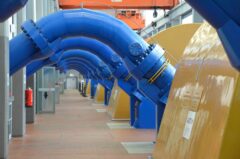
[
  {"x": 19, "y": 86},
  {"x": 31, "y": 81},
  {"x": 4, "y": 87}
]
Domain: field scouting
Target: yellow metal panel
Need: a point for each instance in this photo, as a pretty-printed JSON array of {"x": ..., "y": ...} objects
[
  {"x": 201, "y": 119},
  {"x": 174, "y": 40},
  {"x": 88, "y": 88},
  {"x": 99, "y": 97},
  {"x": 119, "y": 105}
]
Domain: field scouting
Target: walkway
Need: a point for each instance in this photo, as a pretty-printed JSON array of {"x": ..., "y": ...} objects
[{"x": 76, "y": 131}]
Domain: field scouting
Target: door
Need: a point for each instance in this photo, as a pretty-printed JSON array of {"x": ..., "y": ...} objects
[
  {"x": 46, "y": 90},
  {"x": 71, "y": 83}
]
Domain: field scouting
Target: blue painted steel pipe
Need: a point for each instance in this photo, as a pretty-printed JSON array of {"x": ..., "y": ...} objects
[
  {"x": 119, "y": 70},
  {"x": 76, "y": 64},
  {"x": 106, "y": 80},
  {"x": 145, "y": 62},
  {"x": 223, "y": 15},
  {"x": 9, "y": 7},
  {"x": 83, "y": 68},
  {"x": 94, "y": 84},
  {"x": 105, "y": 53},
  {"x": 88, "y": 70},
  {"x": 91, "y": 69},
  {"x": 84, "y": 72},
  {"x": 90, "y": 58},
  {"x": 88, "y": 66}
]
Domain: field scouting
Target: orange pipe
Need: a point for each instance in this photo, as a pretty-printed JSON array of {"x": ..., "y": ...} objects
[{"x": 118, "y": 4}]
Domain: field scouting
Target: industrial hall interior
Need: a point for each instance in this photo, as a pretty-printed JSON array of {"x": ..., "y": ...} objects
[{"x": 119, "y": 79}]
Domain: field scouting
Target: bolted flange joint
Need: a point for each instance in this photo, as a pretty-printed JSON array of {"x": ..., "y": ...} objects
[
  {"x": 34, "y": 33},
  {"x": 152, "y": 55}
]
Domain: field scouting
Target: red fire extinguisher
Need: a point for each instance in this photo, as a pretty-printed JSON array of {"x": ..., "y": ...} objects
[{"x": 29, "y": 97}]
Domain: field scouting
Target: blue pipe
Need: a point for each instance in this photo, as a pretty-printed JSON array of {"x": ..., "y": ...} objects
[
  {"x": 223, "y": 15},
  {"x": 107, "y": 84},
  {"x": 105, "y": 53},
  {"x": 142, "y": 60},
  {"x": 32, "y": 68},
  {"x": 107, "y": 80},
  {"x": 101, "y": 50},
  {"x": 94, "y": 84},
  {"x": 85, "y": 68},
  {"x": 88, "y": 57},
  {"x": 9, "y": 7},
  {"x": 90, "y": 68}
]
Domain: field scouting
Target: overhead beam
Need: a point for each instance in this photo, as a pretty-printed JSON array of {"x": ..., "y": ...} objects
[{"x": 118, "y": 4}]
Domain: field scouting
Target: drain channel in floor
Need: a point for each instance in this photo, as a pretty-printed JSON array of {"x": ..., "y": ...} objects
[{"x": 138, "y": 147}]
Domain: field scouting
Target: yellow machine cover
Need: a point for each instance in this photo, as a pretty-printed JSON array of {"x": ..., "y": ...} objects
[
  {"x": 119, "y": 105},
  {"x": 88, "y": 88},
  {"x": 174, "y": 40},
  {"x": 201, "y": 119},
  {"x": 99, "y": 97}
]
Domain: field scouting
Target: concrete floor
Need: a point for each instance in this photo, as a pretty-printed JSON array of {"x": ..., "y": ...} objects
[{"x": 76, "y": 131}]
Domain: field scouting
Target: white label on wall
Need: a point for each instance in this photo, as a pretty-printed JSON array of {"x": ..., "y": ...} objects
[
  {"x": 189, "y": 125},
  {"x": 116, "y": 0}
]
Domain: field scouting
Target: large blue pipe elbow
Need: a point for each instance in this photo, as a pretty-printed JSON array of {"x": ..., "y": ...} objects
[
  {"x": 223, "y": 15},
  {"x": 145, "y": 62},
  {"x": 9, "y": 7},
  {"x": 105, "y": 53}
]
